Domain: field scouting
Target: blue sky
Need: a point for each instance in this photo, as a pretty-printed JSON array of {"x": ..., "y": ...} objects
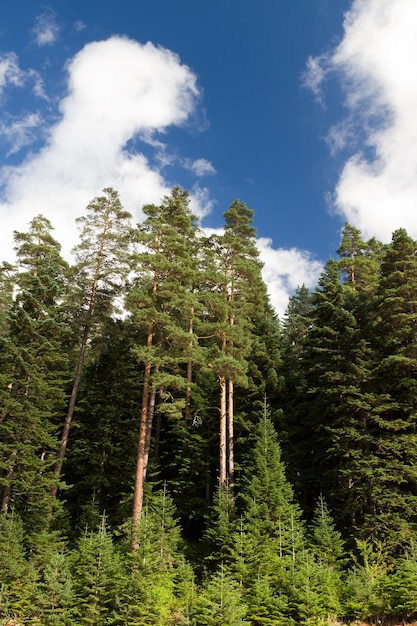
[{"x": 303, "y": 109}]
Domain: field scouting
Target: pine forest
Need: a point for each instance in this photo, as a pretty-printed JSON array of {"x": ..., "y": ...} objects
[{"x": 173, "y": 453}]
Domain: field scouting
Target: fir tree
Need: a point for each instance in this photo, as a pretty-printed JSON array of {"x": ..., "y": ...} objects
[
  {"x": 34, "y": 367},
  {"x": 98, "y": 578}
]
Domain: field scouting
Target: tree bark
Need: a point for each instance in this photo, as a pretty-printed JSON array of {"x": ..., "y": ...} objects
[
  {"x": 140, "y": 465},
  {"x": 222, "y": 446},
  {"x": 80, "y": 363},
  {"x": 230, "y": 437}
]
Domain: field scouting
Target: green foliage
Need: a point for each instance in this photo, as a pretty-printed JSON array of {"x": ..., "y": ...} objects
[
  {"x": 17, "y": 577},
  {"x": 270, "y": 510},
  {"x": 219, "y": 603},
  {"x": 315, "y": 590},
  {"x": 362, "y": 596},
  {"x": 159, "y": 583},
  {"x": 98, "y": 578},
  {"x": 325, "y": 542},
  {"x": 34, "y": 369},
  {"x": 400, "y": 589},
  {"x": 56, "y": 597},
  {"x": 340, "y": 377}
]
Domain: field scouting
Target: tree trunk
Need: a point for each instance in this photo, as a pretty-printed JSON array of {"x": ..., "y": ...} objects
[
  {"x": 230, "y": 437},
  {"x": 140, "y": 465},
  {"x": 222, "y": 447},
  {"x": 77, "y": 377},
  {"x": 151, "y": 412},
  {"x": 187, "y": 413}
]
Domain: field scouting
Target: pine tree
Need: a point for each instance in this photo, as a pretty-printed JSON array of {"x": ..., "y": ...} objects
[
  {"x": 17, "y": 577},
  {"x": 337, "y": 361},
  {"x": 360, "y": 260},
  {"x": 102, "y": 266},
  {"x": 326, "y": 542},
  {"x": 162, "y": 303},
  {"x": 238, "y": 296},
  {"x": 267, "y": 545},
  {"x": 270, "y": 510}
]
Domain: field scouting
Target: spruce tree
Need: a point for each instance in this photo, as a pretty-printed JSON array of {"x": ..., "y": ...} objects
[{"x": 393, "y": 514}]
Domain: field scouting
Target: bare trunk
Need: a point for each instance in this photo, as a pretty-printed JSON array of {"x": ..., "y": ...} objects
[
  {"x": 151, "y": 412},
  {"x": 222, "y": 448},
  {"x": 144, "y": 439},
  {"x": 230, "y": 437},
  {"x": 140, "y": 465},
  {"x": 158, "y": 426},
  {"x": 187, "y": 414}
]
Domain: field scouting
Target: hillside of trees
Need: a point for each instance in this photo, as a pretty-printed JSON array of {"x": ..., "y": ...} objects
[{"x": 171, "y": 453}]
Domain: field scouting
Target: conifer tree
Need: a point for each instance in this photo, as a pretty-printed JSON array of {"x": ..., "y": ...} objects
[
  {"x": 325, "y": 541},
  {"x": 150, "y": 595},
  {"x": 267, "y": 546},
  {"x": 98, "y": 578},
  {"x": 34, "y": 367},
  {"x": 270, "y": 511},
  {"x": 238, "y": 295},
  {"x": 102, "y": 266},
  {"x": 220, "y": 603},
  {"x": 162, "y": 303},
  {"x": 100, "y": 460},
  {"x": 337, "y": 361},
  {"x": 55, "y": 595},
  {"x": 360, "y": 260},
  {"x": 17, "y": 577},
  {"x": 393, "y": 513}
]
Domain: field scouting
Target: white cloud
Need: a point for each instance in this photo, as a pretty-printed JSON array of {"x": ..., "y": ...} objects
[
  {"x": 20, "y": 132},
  {"x": 46, "y": 29},
  {"x": 118, "y": 90},
  {"x": 375, "y": 62},
  {"x": 10, "y": 72},
  {"x": 286, "y": 269},
  {"x": 200, "y": 167},
  {"x": 314, "y": 75}
]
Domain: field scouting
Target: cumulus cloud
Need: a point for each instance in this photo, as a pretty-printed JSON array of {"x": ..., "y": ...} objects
[
  {"x": 375, "y": 63},
  {"x": 118, "y": 90},
  {"x": 286, "y": 269},
  {"x": 46, "y": 29}
]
